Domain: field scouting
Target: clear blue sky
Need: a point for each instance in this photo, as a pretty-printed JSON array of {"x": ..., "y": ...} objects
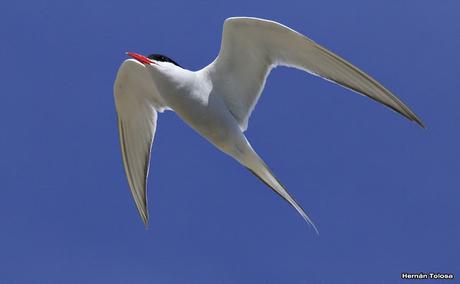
[{"x": 383, "y": 192}]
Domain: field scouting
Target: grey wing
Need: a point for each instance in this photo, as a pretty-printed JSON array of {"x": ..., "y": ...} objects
[
  {"x": 136, "y": 104},
  {"x": 251, "y": 47}
]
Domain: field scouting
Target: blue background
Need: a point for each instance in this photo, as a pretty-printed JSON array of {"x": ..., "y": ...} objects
[{"x": 383, "y": 192}]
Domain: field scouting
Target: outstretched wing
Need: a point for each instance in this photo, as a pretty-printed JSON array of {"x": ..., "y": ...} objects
[
  {"x": 251, "y": 47},
  {"x": 137, "y": 103}
]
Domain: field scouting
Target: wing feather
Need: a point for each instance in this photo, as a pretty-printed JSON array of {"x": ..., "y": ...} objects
[
  {"x": 136, "y": 103},
  {"x": 251, "y": 47}
]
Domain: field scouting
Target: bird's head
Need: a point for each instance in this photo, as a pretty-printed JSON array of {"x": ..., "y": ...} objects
[
  {"x": 158, "y": 60},
  {"x": 165, "y": 72}
]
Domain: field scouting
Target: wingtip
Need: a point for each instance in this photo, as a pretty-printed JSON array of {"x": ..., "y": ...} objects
[
  {"x": 420, "y": 122},
  {"x": 145, "y": 217},
  {"x": 409, "y": 114},
  {"x": 145, "y": 220}
]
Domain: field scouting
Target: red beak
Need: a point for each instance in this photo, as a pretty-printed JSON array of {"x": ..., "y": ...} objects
[{"x": 140, "y": 58}]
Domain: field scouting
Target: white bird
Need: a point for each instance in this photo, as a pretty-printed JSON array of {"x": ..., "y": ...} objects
[{"x": 217, "y": 100}]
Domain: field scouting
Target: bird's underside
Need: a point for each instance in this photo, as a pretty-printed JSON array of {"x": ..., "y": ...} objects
[{"x": 250, "y": 49}]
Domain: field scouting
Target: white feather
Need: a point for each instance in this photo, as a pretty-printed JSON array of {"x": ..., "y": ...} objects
[
  {"x": 217, "y": 101},
  {"x": 251, "y": 47}
]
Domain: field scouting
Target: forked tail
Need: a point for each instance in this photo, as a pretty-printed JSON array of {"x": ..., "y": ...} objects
[{"x": 257, "y": 166}]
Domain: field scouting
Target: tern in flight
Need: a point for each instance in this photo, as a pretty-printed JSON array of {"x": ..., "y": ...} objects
[{"x": 218, "y": 100}]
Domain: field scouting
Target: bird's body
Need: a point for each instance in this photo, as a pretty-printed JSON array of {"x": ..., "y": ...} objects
[{"x": 217, "y": 100}]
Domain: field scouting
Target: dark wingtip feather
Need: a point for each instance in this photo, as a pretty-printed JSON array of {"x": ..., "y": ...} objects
[{"x": 420, "y": 122}]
